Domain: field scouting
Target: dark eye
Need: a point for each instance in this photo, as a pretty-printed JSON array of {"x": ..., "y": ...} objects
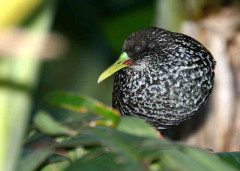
[{"x": 138, "y": 48}]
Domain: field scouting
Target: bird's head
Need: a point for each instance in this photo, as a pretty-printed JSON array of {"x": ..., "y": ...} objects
[{"x": 137, "y": 46}]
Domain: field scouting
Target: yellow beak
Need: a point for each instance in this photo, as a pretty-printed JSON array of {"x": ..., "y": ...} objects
[{"x": 122, "y": 62}]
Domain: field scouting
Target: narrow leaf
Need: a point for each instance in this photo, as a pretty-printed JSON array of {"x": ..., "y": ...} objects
[
  {"x": 82, "y": 104},
  {"x": 33, "y": 160},
  {"x": 48, "y": 125}
]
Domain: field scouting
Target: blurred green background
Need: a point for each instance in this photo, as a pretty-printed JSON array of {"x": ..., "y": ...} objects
[
  {"x": 95, "y": 31},
  {"x": 50, "y": 45}
]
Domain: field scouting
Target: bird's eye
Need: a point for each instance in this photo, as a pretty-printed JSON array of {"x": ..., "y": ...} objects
[{"x": 138, "y": 48}]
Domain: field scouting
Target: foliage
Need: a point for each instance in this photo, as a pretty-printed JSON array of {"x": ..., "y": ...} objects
[
  {"x": 126, "y": 144},
  {"x": 19, "y": 71},
  {"x": 104, "y": 142}
]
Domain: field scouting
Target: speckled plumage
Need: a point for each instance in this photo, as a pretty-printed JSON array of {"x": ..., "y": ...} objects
[{"x": 170, "y": 78}]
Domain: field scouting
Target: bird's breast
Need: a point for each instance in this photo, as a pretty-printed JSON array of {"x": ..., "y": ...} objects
[{"x": 168, "y": 93}]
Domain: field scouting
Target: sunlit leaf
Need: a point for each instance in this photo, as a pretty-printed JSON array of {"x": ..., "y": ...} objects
[
  {"x": 56, "y": 166},
  {"x": 82, "y": 104},
  {"x": 23, "y": 7},
  {"x": 136, "y": 126}
]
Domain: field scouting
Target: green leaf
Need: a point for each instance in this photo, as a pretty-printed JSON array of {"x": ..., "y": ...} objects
[
  {"x": 53, "y": 158},
  {"x": 48, "y": 125},
  {"x": 106, "y": 162},
  {"x": 180, "y": 157},
  {"x": 135, "y": 149},
  {"x": 206, "y": 160},
  {"x": 56, "y": 166},
  {"x": 106, "y": 144},
  {"x": 177, "y": 160},
  {"x": 82, "y": 104},
  {"x": 42, "y": 156},
  {"x": 110, "y": 139},
  {"x": 33, "y": 160},
  {"x": 57, "y": 158},
  {"x": 136, "y": 126},
  {"x": 232, "y": 158}
]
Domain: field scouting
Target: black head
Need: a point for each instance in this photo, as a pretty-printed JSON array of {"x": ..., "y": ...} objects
[{"x": 145, "y": 42}]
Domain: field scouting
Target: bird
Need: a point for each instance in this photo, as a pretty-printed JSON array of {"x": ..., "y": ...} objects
[{"x": 162, "y": 77}]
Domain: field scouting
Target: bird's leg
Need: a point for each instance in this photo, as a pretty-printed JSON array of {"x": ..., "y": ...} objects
[{"x": 160, "y": 135}]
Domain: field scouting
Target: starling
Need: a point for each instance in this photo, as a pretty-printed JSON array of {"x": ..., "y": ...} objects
[{"x": 162, "y": 77}]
